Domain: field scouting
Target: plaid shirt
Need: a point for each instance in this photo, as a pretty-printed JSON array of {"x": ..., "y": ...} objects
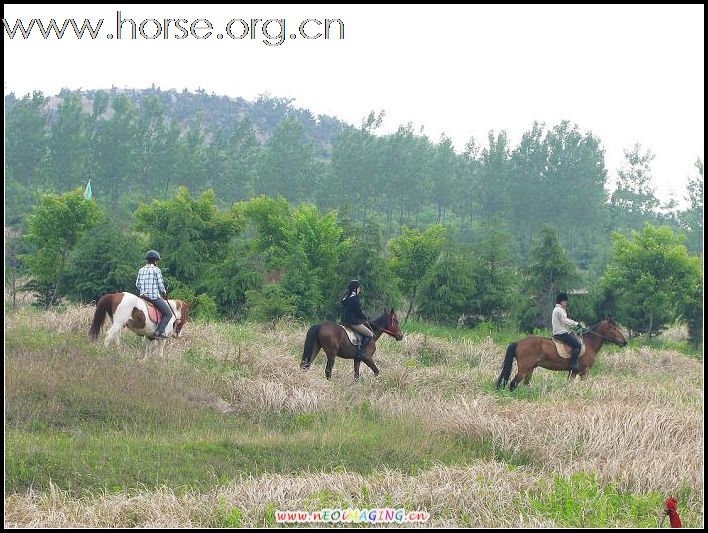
[{"x": 150, "y": 282}]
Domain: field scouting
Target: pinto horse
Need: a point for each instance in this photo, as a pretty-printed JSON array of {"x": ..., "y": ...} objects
[
  {"x": 540, "y": 351},
  {"x": 334, "y": 340},
  {"x": 128, "y": 310}
]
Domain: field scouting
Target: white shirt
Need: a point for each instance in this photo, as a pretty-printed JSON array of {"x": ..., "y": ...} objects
[{"x": 560, "y": 320}]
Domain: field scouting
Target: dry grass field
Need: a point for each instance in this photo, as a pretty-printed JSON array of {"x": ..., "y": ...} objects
[{"x": 227, "y": 429}]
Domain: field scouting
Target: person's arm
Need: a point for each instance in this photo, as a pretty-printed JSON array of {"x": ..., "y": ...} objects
[
  {"x": 137, "y": 284},
  {"x": 161, "y": 283},
  {"x": 358, "y": 310},
  {"x": 568, "y": 321}
]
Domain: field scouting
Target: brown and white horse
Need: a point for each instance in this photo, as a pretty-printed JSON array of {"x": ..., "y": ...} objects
[{"x": 128, "y": 310}]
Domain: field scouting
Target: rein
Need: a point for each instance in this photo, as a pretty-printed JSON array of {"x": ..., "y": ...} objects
[{"x": 384, "y": 330}]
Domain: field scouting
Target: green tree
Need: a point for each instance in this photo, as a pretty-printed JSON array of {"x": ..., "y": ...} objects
[
  {"x": 287, "y": 162},
  {"x": 413, "y": 254},
  {"x": 190, "y": 233},
  {"x": 364, "y": 260},
  {"x": 496, "y": 278},
  {"x": 68, "y": 143},
  {"x": 449, "y": 289},
  {"x": 26, "y": 149},
  {"x": 652, "y": 279},
  {"x": 634, "y": 200},
  {"x": 692, "y": 218},
  {"x": 550, "y": 271},
  {"x": 104, "y": 260},
  {"x": 302, "y": 249},
  {"x": 55, "y": 228}
]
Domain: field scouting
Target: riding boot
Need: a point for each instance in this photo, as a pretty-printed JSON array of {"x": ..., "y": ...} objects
[
  {"x": 574, "y": 367},
  {"x": 361, "y": 353}
]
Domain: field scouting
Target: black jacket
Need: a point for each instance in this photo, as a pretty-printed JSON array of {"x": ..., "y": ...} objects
[{"x": 351, "y": 310}]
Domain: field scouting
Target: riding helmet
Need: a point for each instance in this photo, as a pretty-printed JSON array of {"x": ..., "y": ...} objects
[{"x": 152, "y": 255}]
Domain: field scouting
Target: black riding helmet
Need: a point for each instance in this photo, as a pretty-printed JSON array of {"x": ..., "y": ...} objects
[
  {"x": 562, "y": 297},
  {"x": 152, "y": 255},
  {"x": 354, "y": 285}
]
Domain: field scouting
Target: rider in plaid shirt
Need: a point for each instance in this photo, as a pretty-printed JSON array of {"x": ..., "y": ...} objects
[{"x": 151, "y": 285}]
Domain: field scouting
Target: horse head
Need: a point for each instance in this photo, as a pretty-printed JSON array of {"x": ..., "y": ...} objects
[
  {"x": 392, "y": 325},
  {"x": 183, "y": 309},
  {"x": 610, "y": 330}
]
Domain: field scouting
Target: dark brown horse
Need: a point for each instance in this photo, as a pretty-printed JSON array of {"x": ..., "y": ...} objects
[
  {"x": 334, "y": 340},
  {"x": 540, "y": 351}
]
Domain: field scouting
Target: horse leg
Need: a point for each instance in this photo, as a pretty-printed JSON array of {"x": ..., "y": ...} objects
[
  {"x": 330, "y": 365},
  {"x": 357, "y": 364},
  {"x": 368, "y": 361},
  {"x": 522, "y": 370},
  {"x": 527, "y": 379},
  {"x": 161, "y": 344},
  {"x": 113, "y": 335}
]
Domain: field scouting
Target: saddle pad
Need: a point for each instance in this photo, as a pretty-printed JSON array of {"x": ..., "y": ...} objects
[
  {"x": 564, "y": 349},
  {"x": 154, "y": 313},
  {"x": 352, "y": 335}
]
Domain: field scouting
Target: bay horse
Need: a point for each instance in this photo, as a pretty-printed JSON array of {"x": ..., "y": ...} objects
[
  {"x": 541, "y": 351},
  {"x": 334, "y": 340},
  {"x": 130, "y": 311}
]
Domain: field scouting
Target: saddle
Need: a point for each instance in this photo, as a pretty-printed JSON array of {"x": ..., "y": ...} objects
[
  {"x": 154, "y": 313},
  {"x": 564, "y": 350},
  {"x": 354, "y": 337}
]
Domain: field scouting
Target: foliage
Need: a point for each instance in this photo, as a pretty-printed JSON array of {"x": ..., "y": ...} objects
[
  {"x": 413, "y": 254},
  {"x": 549, "y": 272},
  {"x": 55, "y": 228},
  {"x": 652, "y": 279},
  {"x": 105, "y": 260}
]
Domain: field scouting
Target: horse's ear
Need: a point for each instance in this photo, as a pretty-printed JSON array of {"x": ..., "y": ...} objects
[{"x": 393, "y": 312}]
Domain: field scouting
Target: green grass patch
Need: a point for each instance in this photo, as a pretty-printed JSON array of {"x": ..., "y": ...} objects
[
  {"x": 111, "y": 423},
  {"x": 580, "y": 501}
]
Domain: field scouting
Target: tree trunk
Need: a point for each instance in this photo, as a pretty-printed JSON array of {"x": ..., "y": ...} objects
[
  {"x": 59, "y": 274},
  {"x": 410, "y": 307}
]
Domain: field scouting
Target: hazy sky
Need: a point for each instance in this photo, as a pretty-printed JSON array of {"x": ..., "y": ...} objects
[{"x": 627, "y": 73}]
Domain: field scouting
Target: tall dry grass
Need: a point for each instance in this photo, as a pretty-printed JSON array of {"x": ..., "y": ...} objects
[{"x": 636, "y": 424}]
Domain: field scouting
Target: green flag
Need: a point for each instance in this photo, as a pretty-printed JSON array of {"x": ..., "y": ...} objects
[{"x": 87, "y": 192}]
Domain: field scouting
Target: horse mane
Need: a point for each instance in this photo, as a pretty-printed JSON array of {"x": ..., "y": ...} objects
[{"x": 381, "y": 322}]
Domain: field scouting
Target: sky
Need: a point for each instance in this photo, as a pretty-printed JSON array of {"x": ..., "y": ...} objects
[{"x": 628, "y": 74}]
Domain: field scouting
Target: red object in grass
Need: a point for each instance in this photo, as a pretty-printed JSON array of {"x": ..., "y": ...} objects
[{"x": 672, "y": 510}]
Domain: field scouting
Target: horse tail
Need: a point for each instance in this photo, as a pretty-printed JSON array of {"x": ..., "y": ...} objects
[
  {"x": 311, "y": 344},
  {"x": 103, "y": 308},
  {"x": 506, "y": 367}
]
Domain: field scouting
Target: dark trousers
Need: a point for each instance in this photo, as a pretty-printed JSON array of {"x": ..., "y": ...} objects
[
  {"x": 570, "y": 339},
  {"x": 164, "y": 307}
]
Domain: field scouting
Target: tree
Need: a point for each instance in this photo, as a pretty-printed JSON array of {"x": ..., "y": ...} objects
[
  {"x": 26, "y": 152},
  {"x": 652, "y": 279},
  {"x": 364, "y": 260},
  {"x": 443, "y": 171},
  {"x": 68, "y": 143},
  {"x": 634, "y": 201},
  {"x": 449, "y": 289},
  {"x": 104, "y": 260},
  {"x": 550, "y": 270},
  {"x": 287, "y": 162},
  {"x": 190, "y": 233},
  {"x": 692, "y": 218},
  {"x": 302, "y": 250},
  {"x": 414, "y": 253},
  {"x": 55, "y": 228}
]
